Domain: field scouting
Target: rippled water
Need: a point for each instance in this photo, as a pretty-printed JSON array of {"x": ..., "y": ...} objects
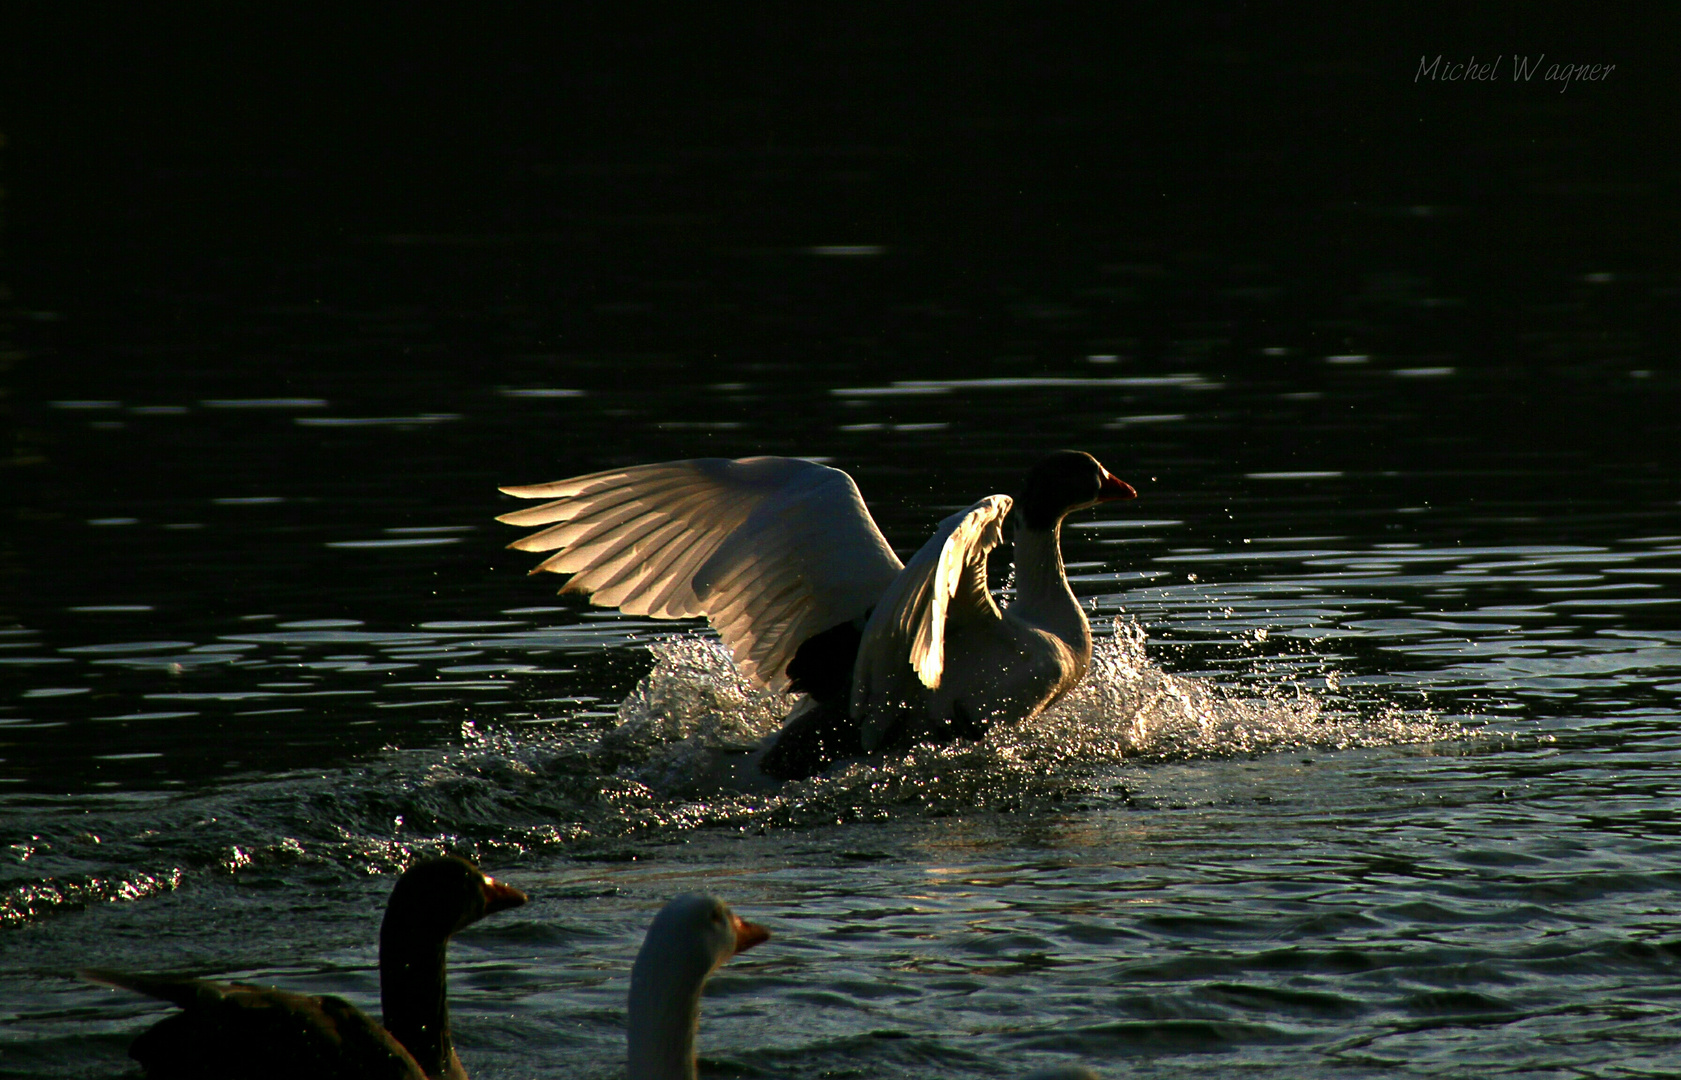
[{"x": 1376, "y": 769}]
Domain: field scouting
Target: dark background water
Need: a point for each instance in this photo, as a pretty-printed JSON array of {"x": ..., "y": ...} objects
[{"x": 1392, "y": 362}]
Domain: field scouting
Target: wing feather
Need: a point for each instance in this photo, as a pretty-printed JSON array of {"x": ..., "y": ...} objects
[
  {"x": 644, "y": 564},
  {"x": 772, "y": 550},
  {"x": 599, "y": 562},
  {"x": 583, "y": 529},
  {"x": 674, "y": 599},
  {"x": 905, "y": 637}
]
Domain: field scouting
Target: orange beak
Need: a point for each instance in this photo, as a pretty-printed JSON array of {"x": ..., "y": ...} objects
[
  {"x": 748, "y": 934},
  {"x": 500, "y": 897},
  {"x": 1114, "y": 489}
]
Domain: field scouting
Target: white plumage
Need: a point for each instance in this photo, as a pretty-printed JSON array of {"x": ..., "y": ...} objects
[
  {"x": 771, "y": 550},
  {"x": 685, "y": 944},
  {"x": 775, "y": 551}
]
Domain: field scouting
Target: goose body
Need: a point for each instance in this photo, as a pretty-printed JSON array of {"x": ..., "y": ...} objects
[
  {"x": 685, "y": 944},
  {"x": 782, "y": 557},
  {"x": 229, "y": 1031}
]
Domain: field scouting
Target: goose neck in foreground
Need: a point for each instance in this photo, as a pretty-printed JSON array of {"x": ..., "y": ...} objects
[
  {"x": 665, "y": 987},
  {"x": 1043, "y": 598},
  {"x": 689, "y": 938},
  {"x": 413, "y": 993}
]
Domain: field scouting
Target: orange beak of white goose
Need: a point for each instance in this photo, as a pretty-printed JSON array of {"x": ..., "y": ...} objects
[
  {"x": 1114, "y": 489},
  {"x": 747, "y": 934}
]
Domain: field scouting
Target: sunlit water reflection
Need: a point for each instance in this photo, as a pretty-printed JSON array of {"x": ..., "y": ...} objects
[
  {"x": 1336, "y": 807},
  {"x": 1374, "y": 773}
]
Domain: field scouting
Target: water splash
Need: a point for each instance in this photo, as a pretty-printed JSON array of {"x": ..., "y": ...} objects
[
  {"x": 694, "y": 710},
  {"x": 1127, "y": 706}
]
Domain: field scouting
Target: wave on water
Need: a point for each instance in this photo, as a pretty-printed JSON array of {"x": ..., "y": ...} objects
[
  {"x": 678, "y": 759},
  {"x": 31, "y": 900}
]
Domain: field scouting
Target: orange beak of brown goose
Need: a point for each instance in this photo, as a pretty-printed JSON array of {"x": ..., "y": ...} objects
[
  {"x": 500, "y": 897},
  {"x": 1114, "y": 489}
]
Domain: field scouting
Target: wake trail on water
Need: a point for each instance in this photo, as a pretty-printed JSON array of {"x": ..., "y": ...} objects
[{"x": 678, "y": 759}]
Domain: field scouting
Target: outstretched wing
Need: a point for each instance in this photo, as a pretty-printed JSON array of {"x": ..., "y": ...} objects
[
  {"x": 944, "y": 582},
  {"x": 771, "y": 550}
]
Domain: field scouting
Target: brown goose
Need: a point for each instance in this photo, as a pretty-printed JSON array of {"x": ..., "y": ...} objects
[
  {"x": 228, "y": 1031},
  {"x": 687, "y": 941},
  {"x": 784, "y": 560}
]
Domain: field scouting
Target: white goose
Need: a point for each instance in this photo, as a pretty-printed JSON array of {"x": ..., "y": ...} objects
[
  {"x": 784, "y": 560},
  {"x": 687, "y": 941}
]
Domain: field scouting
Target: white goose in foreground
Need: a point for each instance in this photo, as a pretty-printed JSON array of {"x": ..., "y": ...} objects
[
  {"x": 688, "y": 940},
  {"x": 784, "y": 560}
]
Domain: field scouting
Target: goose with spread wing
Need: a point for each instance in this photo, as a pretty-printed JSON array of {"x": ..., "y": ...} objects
[{"x": 783, "y": 559}]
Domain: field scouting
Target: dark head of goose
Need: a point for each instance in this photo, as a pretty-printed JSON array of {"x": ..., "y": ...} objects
[
  {"x": 1066, "y": 481},
  {"x": 436, "y": 898}
]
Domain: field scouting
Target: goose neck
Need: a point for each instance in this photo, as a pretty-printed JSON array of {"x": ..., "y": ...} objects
[
  {"x": 413, "y": 995},
  {"x": 1043, "y": 597},
  {"x": 664, "y": 1015}
]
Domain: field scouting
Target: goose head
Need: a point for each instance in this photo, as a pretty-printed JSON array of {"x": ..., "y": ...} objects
[
  {"x": 687, "y": 941},
  {"x": 437, "y": 897},
  {"x": 1066, "y": 481},
  {"x": 431, "y": 901}
]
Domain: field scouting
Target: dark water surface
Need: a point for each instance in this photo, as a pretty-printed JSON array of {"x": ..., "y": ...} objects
[{"x": 1377, "y": 771}]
